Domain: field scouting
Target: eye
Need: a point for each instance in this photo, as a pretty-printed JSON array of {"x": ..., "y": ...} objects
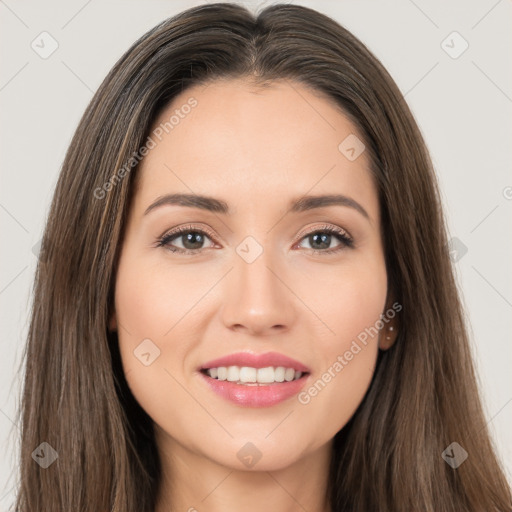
[
  {"x": 320, "y": 239},
  {"x": 192, "y": 241}
]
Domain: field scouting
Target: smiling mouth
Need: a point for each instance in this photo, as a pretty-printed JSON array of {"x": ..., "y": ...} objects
[{"x": 249, "y": 376}]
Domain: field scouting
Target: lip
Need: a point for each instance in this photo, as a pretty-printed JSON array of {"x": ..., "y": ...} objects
[
  {"x": 256, "y": 361},
  {"x": 255, "y": 396},
  {"x": 259, "y": 395}
]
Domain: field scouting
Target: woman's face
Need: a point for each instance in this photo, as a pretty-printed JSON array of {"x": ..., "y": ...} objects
[{"x": 251, "y": 283}]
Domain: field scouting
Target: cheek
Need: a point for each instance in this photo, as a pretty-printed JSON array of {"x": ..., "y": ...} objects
[
  {"x": 151, "y": 300},
  {"x": 151, "y": 306},
  {"x": 354, "y": 301},
  {"x": 346, "y": 299},
  {"x": 142, "y": 302}
]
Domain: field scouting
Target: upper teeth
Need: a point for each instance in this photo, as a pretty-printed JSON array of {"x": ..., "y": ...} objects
[{"x": 246, "y": 374}]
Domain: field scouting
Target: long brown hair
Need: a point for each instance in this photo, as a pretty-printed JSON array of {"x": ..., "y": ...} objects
[{"x": 423, "y": 396}]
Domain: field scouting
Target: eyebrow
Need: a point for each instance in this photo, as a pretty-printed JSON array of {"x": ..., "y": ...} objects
[{"x": 214, "y": 205}]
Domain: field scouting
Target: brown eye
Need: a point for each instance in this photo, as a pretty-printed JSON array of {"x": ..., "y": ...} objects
[
  {"x": 192, "y": 240},
  {"x": 321, "y": 239}
]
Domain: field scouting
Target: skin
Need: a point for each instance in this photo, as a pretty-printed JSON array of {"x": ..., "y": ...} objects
[{"x": 256, "y": 149}]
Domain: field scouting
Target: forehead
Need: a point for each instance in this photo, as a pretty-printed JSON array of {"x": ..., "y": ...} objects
[{"x": 236, "y": 141}]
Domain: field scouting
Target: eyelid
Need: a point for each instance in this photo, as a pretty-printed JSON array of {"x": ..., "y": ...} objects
[
  {"x": 323, "y": 227},
  {"x": 192, "y": 227},
  {"x": 186, "y": 228}
]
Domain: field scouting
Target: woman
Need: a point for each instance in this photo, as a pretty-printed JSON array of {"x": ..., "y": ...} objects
[{"x": 245, "y": 298}]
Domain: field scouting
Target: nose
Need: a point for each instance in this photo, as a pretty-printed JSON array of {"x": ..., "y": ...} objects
[{"x": 257, "y": 297}]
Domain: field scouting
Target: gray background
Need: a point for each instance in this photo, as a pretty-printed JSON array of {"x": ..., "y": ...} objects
[{"x": 462, "y": 106}]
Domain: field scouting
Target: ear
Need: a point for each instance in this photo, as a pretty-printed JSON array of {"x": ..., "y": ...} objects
[
  {"x": 112, "y": 322},
  {"x": 389, "y": 332}
]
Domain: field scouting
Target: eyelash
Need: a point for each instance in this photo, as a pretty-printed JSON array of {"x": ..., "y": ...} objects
[{"x": 340, "y": 234}]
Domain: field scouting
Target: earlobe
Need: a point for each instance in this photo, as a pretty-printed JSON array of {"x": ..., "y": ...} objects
[
  {"x": 112, "y": 324},
  {"x": 389, "y": 332},
  {"x": 388, "y": 335}
]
